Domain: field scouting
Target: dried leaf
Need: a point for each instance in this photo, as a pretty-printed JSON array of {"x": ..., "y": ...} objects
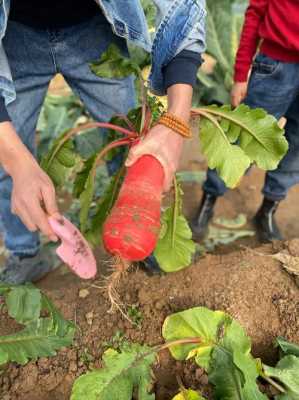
[{"x": 83, "y": 293}]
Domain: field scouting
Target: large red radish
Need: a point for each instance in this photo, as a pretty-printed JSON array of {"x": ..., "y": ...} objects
[{"x": 132, "y": 229}]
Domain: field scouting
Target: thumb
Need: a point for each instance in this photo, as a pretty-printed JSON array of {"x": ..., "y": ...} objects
[{"x": 133, "y": 156}]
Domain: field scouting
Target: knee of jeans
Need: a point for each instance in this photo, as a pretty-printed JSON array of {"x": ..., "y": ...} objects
[{"x": 3, "y": 175}]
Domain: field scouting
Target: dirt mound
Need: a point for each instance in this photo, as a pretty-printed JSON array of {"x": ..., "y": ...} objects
[{"x": 252, "y": 288}]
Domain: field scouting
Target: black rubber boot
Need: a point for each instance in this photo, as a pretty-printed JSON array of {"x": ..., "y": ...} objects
[
  {"x": 264, "y": 221},
  {"x": 200, "y": 223},
  {"x": 150, "y": 266}
]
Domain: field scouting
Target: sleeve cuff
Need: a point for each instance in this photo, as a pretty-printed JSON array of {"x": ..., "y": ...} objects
[
  {"x": 182, "y": 69},
  {"x": 3, "y": 111},
  {"x": 241, "y": 75}
]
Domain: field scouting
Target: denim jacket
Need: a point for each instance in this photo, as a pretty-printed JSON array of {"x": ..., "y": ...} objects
[{"x": 180, "y": 26}]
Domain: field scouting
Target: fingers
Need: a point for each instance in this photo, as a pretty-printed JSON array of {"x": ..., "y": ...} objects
[
  {"x": 236, "y": 101},
  {"x": 25, "y": 218},
  {"x": 134, "y": 154},
  {"x": 49, "y": 200},
  {"x": 32, "y": 214},
  {"x": 40, "y": 218}
]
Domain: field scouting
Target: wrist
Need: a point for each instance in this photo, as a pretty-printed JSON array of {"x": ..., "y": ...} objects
[
  {"x": 176, "y": 124},
  {"x": 180, "y": 101},
  {"x": 12, "y": 151}
]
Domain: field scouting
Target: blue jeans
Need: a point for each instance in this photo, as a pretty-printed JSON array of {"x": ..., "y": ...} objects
[
  {"x": 273, "y": 86},
  {"x": 35, "y": 56}
]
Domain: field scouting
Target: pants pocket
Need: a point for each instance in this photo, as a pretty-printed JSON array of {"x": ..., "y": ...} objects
[{"x": 264, "y": 66}]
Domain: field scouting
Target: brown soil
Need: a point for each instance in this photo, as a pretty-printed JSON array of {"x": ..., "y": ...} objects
[{"x": 252, "y": 288}]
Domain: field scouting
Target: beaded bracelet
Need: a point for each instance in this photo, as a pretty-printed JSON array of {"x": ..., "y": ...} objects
[{"x": 176, "y": 124}]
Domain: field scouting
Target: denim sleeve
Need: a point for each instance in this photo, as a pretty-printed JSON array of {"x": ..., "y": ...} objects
[
  {"x": 182, "y": 69},
  {"x": 7, "y": 90},
  {"x": 195, "y": 40},
  {"x": 3, "y": 111},
  {"x": 180, "y": 28}
]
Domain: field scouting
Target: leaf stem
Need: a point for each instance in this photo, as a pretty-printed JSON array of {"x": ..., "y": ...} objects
[
  {"x": 225, "y": 116},
  {"x": 91, "y": 125},
  {"x": 274, "y": 383},
  {"x": 206, "y": 114},
  {"x": 160, "y": 347},
  {"x": 178, "y": 342},
  {"x": 175, "y": 210}
]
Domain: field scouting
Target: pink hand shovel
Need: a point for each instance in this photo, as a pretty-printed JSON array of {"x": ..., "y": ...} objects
[{"x": 74, "y": 249}]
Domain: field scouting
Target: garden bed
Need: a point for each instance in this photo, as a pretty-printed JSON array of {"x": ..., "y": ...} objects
[{"x": 254, "y": 289}]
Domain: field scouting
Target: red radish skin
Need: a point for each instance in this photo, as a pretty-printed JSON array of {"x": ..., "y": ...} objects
[{"x": 132, "y": 229}]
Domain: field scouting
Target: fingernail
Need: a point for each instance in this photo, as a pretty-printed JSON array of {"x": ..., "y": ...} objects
[{"x": 54, "y": 238}]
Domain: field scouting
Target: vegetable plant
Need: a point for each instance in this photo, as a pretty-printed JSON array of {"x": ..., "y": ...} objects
[
  {"x": 215, "y": 341},
  {"x": 231, "y": 140},
  {"x": 42, "y": 336}
]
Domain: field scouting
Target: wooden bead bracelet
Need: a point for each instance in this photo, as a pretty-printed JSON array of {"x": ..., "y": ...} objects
[{"x": 176, "y": 124}]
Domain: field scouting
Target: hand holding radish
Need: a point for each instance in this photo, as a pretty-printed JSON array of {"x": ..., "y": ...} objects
[{"x": 163, "y": 144}]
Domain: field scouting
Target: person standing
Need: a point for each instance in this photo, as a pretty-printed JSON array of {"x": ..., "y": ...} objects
[
  {"x": 272, "y": 27},
  {"x": 39, "y": 39}
]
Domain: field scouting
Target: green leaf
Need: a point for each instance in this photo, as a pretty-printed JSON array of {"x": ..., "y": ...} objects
[
  {"x": 233, "y": 370},
  {"x": 86, "y": 198},
  {"x": 188, "y": 394},
  {"x": 223, "y": 350},
  {"x": 192, "y": 176},
  {"x": 287, "y": 347},
  {"x": 59, "y": 113},
  {"x": 66, "y": 156},
  {"x": 219, "y": 31},
  {"x": 260, "y": 137},
  {"x": 104, "y": 207},
  {"x": 36, "y": 340},
  {"x": 122, "y": 373},
  {"x": 229, "y": 160},
  {"x": 224, "y": 23},
  {"x": 41, "y": 336},
  {"x": 198, "y": 322},
  {"x": 257, "y": 135},
  {"x": 175, "y": 247},
  {"x": 82, "y": 176},
  {"x": 287, "y": 373},
  {"x": 60, "y": 326},
  {"x": 24, "y": 303},
  {"x": 5, "y": 288},
  {"x": 60, "y": 160},
  {"x": 113, "y": 64}
]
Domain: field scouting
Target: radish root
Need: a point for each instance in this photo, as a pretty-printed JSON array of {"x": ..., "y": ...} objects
[{"x": 119, "y": 268}]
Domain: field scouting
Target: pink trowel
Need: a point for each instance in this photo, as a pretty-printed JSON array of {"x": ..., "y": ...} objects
[{"x": 74, "y": 249}]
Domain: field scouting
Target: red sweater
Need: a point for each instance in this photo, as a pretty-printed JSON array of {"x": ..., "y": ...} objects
[{"x": 274, "y": 23}]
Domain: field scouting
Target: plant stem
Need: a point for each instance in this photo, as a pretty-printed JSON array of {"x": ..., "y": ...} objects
[
  {"x": 110, "y": 146},
  {"x": 176, "y": 343},
  {"x": 143, "y": 100},
  {"x": 206, "y": 114},
  {"x": 273, "y": 383},
  {"x": 91, "y": 125},
  {"x": 175, "y": 209},
  {"x": 218, "y": 113},
  {"x": 164, "y": 346}
]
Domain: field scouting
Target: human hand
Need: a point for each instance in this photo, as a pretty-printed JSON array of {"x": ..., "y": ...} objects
[
  {"x": 165, "y": 145},
  {"x": 33, "y": 198},
  {"x": 238, "y": 93}
]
